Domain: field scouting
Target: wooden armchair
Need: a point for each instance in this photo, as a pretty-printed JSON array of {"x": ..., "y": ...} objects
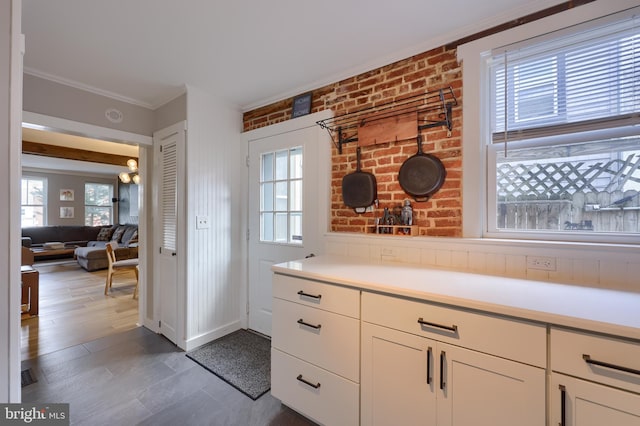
[
  {"x": 119, "y": 266},
  {"x": 27, "y": 256},
  {"x": 30, "y": 281}
]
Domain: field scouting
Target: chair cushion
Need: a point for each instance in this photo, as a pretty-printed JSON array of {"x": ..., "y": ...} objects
[{"x": 126, "y": 263}]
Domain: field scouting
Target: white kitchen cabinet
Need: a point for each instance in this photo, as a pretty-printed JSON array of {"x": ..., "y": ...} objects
[
  {"x": 398, "y": 378},
  {"x": 577, "y": 402},
  {"x": 481, "y": 389},
  {"x": 595, "y": 379},
  {"x": 315, "y": 349},
  {"x": 410, "y": 379}
]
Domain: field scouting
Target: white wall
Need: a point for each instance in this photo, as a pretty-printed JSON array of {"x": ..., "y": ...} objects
[
  {"x": 10, "y": 147},
  {"x": 215, "y": 170}
]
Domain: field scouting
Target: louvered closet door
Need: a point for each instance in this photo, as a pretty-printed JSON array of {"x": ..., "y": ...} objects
[{"x": 170, "y": 143}]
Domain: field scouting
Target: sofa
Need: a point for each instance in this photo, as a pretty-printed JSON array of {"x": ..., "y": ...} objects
[
  {"x": 70, "y": 236},
  {"x": 37, "y": 236},
  {"x": 93, "y": 256}
]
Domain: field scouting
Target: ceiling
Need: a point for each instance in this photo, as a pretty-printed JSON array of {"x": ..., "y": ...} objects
[
  {"x": 246, "y": 52},
  {"x": 39, "y": 162}
]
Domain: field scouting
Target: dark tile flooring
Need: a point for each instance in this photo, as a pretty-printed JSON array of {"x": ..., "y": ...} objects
[{"x": 138, "y": 377}]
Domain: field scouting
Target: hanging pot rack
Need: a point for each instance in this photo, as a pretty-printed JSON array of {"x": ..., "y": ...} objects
[{"x": 343, "y": 128}]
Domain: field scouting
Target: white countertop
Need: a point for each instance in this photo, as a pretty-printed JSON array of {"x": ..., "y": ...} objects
[{"x": 604, "y": 311}]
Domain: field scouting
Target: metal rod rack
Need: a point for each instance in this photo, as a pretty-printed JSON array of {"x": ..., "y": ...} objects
[{"x": 343, "y": 128}]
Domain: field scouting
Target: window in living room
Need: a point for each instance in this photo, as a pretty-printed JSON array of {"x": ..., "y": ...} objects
[
  {"x": 34, "y": 202},
  {"x": 98, "y": 209}
]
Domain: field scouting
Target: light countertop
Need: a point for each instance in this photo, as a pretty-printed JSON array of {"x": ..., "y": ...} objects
[{"x": 599, "y": 310}]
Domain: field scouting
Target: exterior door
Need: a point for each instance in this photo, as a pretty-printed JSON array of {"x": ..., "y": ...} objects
[
  {"x": 169, "y": 144},
  {"x": 283, "y": 211}
]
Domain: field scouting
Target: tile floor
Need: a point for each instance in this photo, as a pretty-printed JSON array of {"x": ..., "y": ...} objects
[{"x": 139, "y": 378}]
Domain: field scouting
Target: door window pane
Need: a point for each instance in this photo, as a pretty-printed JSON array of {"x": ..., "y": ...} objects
[
  {"x": 295, "y": 195},
  {"x": 281, "y": 196},
  {"x": 267, "y": 167},
  {"x": 281, "y": 228},
  {"x": 296, "y": 226},
  {"x": 266, "y": 227},
  {"x": 296, "y": 163},
  {"x": 282, "y": 171},
  {"x": 266, "y": 196}
]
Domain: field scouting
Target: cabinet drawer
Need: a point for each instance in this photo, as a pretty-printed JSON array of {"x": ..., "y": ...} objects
[
  {"x": 509, "y": 338},
  {"x": 341, "y": 300},
  {"x": 568, "y": 350},
  {"x": 333, "y": 345},
  {"x": 333, "y": 402}
]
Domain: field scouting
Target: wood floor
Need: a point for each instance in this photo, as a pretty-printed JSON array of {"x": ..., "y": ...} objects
[
  {"x": 74, "y": 309},
  {"x": 85, "y": 349}
]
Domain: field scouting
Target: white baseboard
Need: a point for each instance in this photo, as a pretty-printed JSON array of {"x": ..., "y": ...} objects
[{"x": 209, "y": 336}]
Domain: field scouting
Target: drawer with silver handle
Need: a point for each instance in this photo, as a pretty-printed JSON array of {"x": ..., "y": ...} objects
[
  {"x": 317, "y": 393},
  {"x": 328, "y": 297},
  {"x": 602, "y": 359},
  {"x": 328, "y": 340},
  {"x": 510, "y": 338}
]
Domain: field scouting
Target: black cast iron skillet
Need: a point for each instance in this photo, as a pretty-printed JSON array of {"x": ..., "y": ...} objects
[
  {"x": 359, "y": 189},
  {"x": 421, "y": 175}
]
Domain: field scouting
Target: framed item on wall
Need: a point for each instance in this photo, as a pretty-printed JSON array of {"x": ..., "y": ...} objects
[
  {"x": 301, "y": 105},
  {"x": 66, "y": 195},
  {"x": 66, "y": 213}
]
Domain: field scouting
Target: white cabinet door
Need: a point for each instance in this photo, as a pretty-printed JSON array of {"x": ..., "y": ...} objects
[
  {"x": 397, "y": 378},
  {"x": 478, "y": 389},
  {"x": 412, "y": 380},
  {"x": 577, "y": 402}
]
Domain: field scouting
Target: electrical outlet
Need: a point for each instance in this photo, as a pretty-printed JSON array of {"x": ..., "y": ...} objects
[
  {"x": 541, "y": 263},
  {"x": 388, "y": 251},
  {"x": 202, "y": 222}
]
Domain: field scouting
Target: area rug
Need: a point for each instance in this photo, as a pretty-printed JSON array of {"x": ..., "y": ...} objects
[{"x": 242, "y": 359}]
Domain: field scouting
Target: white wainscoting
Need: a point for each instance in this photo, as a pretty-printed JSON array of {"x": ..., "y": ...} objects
[{"x": 593, "y": 265}]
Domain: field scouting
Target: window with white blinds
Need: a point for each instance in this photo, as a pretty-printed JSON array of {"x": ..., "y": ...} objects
[
  {"x": 564, "y": 150},
  {"x": 581, "y": 79}
]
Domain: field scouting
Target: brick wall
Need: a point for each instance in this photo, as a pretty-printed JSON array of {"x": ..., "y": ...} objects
[{"x": 432, "y": 70}]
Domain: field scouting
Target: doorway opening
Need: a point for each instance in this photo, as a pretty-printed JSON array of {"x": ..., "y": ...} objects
[{"x": 72, "y": 306}]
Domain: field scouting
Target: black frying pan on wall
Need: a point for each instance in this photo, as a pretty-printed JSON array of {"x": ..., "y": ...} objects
[
  {"x": 421, "y": 175},
  {"x": 359, "y": 189}
]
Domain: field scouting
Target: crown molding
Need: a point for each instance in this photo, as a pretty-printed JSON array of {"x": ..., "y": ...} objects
[{"x": 86, "y": 88}]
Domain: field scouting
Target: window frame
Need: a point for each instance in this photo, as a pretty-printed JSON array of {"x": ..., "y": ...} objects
[
  {"x": 478, "y": 181},
  {"x": 110, "y": 204},
  {"x": 44, "y": 201},
  {"x": 289, "y": 211}
]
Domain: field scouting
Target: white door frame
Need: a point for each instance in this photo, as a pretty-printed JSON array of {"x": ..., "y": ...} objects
[
  {"x": 61, "y": 125},
  {"x": 324, "y": 187},
  {"x": 12, "y": 51}
]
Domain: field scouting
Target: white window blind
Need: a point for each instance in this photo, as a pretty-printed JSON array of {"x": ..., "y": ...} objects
[{"x": 580, "y": 79}]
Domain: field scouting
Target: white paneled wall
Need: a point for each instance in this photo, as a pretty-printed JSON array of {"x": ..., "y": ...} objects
[
  {"x": 606, "y": 266},
  {"x": 215, "y": 166}
]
